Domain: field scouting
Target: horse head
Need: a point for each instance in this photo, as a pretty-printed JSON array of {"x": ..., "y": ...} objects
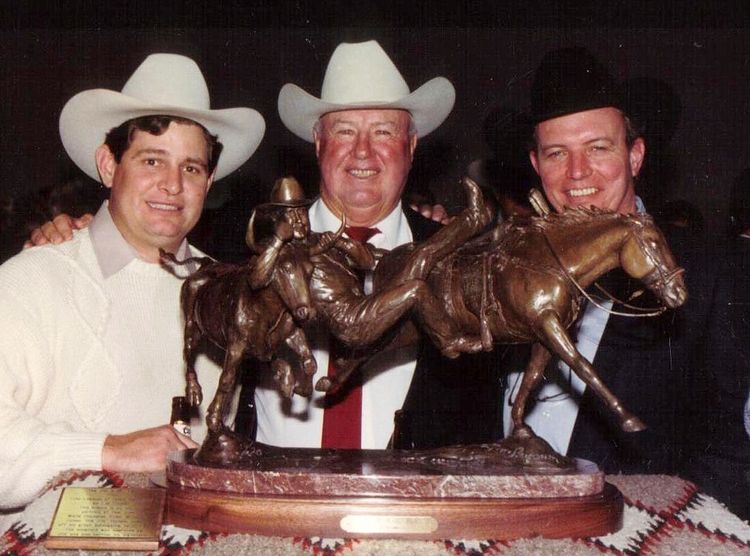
[
  {"x": 291, "y": 281},
  {"x": 646, "y": 256}
]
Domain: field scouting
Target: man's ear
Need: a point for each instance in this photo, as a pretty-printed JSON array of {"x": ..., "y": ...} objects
[
  {"x": 637, "y": 154},
  {"x": 210, "y": 181},
  {"x": 316, "y": 140},
  {"x": 412, "y": 145},
  {"x": 534, "y": 161},
  {"x": 105, "y": 163}
]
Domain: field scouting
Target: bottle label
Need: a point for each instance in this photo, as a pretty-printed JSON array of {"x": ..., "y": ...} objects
[{"x": 182, "y": 427}]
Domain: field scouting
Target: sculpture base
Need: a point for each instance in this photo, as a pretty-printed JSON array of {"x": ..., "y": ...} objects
[{"x": 386, "y": 494}]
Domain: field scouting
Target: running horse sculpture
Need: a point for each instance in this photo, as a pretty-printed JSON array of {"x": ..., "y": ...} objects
[{"x": 524, "y": 283}]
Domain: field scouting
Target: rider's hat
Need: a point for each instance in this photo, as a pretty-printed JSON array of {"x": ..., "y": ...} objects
[{"x": 287, "y": 192}]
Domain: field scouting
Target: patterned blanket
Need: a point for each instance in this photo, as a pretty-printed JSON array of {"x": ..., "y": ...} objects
[{"x": 663, "y": 515}]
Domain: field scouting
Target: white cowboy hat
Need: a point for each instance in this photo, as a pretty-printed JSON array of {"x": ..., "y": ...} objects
[
  {"x": 164, "y": 84},
  {"x": 362, "y": 75}
]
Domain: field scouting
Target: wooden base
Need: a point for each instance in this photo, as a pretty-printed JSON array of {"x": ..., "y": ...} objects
[{"x": 396, "y": 518}]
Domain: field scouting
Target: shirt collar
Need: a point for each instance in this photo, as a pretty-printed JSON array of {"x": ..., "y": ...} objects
[
  {"x": 394, "y": 228},
  {"x": 113, "y": 252},
  {"x": 639, "y": 206}
]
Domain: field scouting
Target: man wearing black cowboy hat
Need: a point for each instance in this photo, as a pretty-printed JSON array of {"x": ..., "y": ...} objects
[
  {"x": 90, "y": 353},
  {"x": 588, "y": 152}
]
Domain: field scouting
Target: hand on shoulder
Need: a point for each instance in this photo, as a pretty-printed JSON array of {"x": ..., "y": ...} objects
[
  {"x": 58, "y": 230},
  {"x": 433, "y": 212}
]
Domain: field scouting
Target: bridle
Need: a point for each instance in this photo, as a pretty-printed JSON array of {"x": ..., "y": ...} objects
[
  {"x": 656, "y": 280},
  {"x": 660, "y": 277}
]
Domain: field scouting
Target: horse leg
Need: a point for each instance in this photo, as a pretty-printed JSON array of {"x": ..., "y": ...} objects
[
  {"x": 282, "y": 374},
  {"x": 297, "y": 342},
  {"x": 443, "y": 330},
  {"x": 532, "y": 376},
  {"x": 365, "y": 320},
  {"x": 217, "y": 409},
  {"x": 558, "y": 341},
  {"x": 192, "y": 339},
  {"x": 472, "y": 220},
  {"x": 348, "y": 362}
]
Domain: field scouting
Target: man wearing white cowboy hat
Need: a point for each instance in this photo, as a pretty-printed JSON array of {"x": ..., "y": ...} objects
[
  {"x": 365, "y": 128},
  {"x": 90, "y": 353}
]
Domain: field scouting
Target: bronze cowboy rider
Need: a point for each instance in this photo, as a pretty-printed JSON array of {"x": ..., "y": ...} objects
[{"x": 354, "y": 318}]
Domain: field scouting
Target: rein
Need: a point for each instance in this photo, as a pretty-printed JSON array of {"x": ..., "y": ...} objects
[{"x": 642, "y": 311}]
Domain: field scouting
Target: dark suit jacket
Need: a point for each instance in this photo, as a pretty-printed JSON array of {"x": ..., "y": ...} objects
[
  {"x": 722, "y": 463},
  {"x": 449, "y": 401}
]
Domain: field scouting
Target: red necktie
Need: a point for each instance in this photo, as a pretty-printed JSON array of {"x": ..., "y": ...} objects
[{"x": 342, "y": 418}]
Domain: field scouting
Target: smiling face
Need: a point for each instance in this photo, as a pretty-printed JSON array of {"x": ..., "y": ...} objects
[
  {"x": 364, "y": 158},
  {"x": 583, "y": 160},
  {"x": 158, "y": 188}
]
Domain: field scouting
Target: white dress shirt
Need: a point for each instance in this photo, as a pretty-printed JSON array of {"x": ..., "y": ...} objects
[{"x": 299, "y": 422}]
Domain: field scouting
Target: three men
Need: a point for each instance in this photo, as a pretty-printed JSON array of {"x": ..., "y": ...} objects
[
  {"x": 92, "y": 337},
  {"x": 365, "y": 130}
]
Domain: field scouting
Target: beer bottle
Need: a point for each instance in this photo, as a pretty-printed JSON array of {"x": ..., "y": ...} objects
[{"x": 180, "y": 418}]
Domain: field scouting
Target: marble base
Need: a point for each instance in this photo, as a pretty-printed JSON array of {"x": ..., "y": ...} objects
[
  {"x": 296, "y": 471},
  {"x": 387, "y": 494}
]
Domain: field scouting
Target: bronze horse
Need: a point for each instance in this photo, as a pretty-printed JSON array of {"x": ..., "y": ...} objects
[
  {"x": 523, "y": 282},
  {"x": 246, "y": 316}
]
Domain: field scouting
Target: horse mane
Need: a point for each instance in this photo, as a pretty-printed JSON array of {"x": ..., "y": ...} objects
[{"x": 583, "y": 215}]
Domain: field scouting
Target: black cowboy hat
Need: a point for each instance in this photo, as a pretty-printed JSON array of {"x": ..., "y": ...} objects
[{"x": 571, "y": 80}]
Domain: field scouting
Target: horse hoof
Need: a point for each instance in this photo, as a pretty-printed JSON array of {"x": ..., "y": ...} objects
[
  {"x": 309, "y": 367},
  {"x": 305, "y": 389},
  {"x": 450, "y": 353},
  {"x": 324, "y": 384},
  {"x": 221, "y": 447},
  {"x": 462, "y": 344},
  {"x": 480, "y": 212},
  {"x": 633, "y": 424},
  {"x": 194, "y": 396},
  {"x": 522, "y": 433}
]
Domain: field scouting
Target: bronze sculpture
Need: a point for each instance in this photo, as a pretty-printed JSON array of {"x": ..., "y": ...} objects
[
  {"x": 253, "y": 309},
  {"x": 521, "y": 282}
]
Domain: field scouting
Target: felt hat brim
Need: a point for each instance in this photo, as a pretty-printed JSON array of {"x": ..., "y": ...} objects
[
  {"x": 89, "y": 115},
  {"x": 429, "y": 106}
]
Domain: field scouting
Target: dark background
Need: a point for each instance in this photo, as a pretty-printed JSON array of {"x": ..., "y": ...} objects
[{"x": 691, "y": 62}]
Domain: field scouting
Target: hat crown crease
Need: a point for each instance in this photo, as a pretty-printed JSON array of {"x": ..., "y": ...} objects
[
  {"x": 360, "y": 73},
  {"x": 173, "y": 84}
]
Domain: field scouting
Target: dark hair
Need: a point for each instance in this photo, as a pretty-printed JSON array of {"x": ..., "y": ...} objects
[
  {"x": 631, "y": 133},
  {"x": 119, "y": 138}
]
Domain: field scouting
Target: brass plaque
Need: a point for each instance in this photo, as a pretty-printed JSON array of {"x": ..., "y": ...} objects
[
  {"x": 128, "y": 518},
  {"x": 366, "y": 523}
]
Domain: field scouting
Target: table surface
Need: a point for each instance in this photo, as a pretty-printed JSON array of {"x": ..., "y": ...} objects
[{"x": 663, "y": 515}]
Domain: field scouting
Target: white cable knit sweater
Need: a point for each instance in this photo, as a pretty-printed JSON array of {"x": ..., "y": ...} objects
[{"x": 82, "y": 357}]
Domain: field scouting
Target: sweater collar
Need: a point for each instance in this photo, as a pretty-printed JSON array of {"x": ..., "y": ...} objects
[{"x": 113, "y": 252}]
